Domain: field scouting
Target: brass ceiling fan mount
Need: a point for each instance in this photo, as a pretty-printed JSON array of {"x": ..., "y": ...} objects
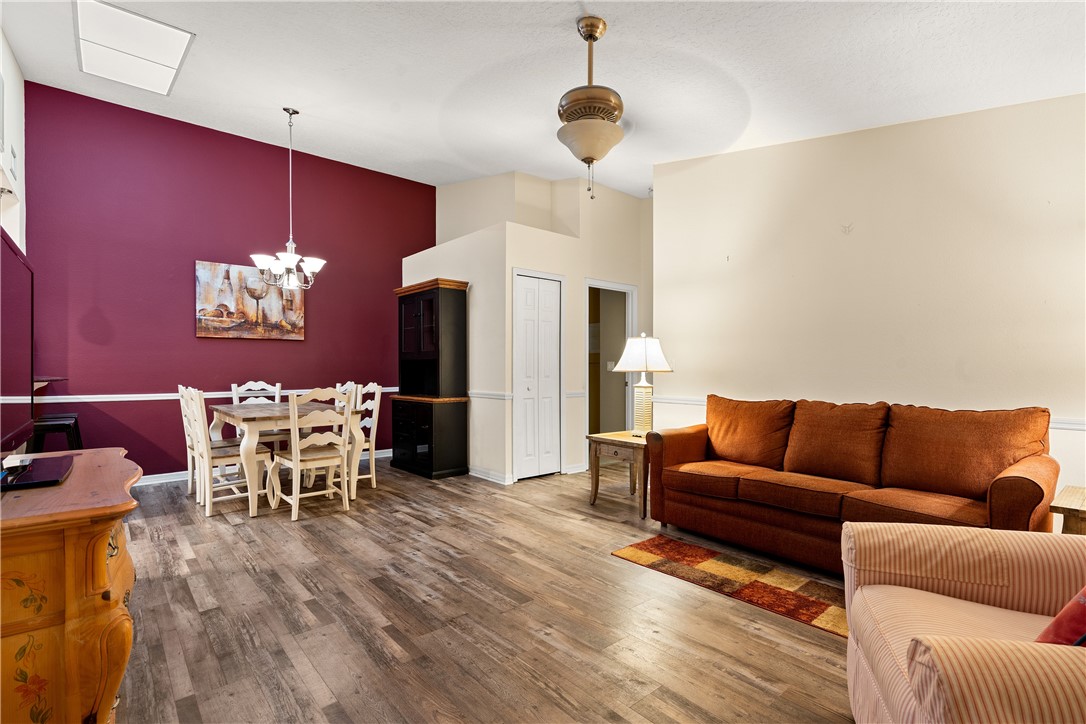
[{"x": 590, "y": 112}]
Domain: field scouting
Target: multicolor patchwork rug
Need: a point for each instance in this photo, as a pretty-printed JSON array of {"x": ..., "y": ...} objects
[{"x": 766, "y": 586}]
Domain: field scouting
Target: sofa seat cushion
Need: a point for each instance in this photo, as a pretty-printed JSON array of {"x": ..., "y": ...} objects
[
  {"x": 884, "y": 619},
  {"x": 793, "y": 491},
  {"x": 712, "y": 478},
  {"x": 898, "y": 505},
  {"x": 958, "y": 452},
  {"x": 843, "y": 442},
  {"x": 754, "y": 433}
]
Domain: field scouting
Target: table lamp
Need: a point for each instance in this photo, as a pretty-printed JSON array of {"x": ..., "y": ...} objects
[{"x": 642, "y": 354}]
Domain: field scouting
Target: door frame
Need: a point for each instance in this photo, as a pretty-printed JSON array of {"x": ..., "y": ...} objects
[
  {"x": 514, "y": 336},
  {"x": 631, "y": 327}
]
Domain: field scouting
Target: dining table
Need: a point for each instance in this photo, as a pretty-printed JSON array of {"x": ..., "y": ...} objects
[{"x": 251, "y": 418}]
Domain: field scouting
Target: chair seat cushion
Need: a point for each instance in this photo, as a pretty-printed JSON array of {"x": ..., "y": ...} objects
[
  {"x": 311, "y": 454},
  {"x": 232, "y": 449},
  {"x": 712, "y": 478},
  {"x": 897, "y": 505},
  {"x": 793, "y": 491},
  {"x": 884, "y": 619}
]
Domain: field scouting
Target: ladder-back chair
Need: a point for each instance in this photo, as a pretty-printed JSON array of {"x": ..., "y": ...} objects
[
  {"x": 312, "y": 448},
  {"x": 209, "y": 457}
]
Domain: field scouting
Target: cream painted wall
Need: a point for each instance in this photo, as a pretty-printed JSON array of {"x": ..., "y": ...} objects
[
  {"x": 554, "y": 230},
  {"x": 468, "y": 206},
  {"x": 936, "y": 263},
  {"x": 12, "y": 160}
]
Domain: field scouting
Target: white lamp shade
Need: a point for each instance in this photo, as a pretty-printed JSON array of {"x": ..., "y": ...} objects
[
  {"x": 291, "y": 260},
  {"x": 312, "y": 265},
  {"x": 642, "y": 354},
  {"x": 262, "y": 261},
  {"x": 589, "y": 139},
  {"x": 277, "y": 267}
]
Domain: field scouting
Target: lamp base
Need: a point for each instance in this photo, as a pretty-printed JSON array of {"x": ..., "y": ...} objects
[{"x": 642, "y": 408}]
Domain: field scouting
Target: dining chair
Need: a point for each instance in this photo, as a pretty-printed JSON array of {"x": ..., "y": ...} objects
[
  {"x": 258, "y": 391},
  {"x": 368, "y": 405},
  {"x": 319, "y": 440},
  {"x": 190, "y": 446},
  {"x": 210, "y": 458}
]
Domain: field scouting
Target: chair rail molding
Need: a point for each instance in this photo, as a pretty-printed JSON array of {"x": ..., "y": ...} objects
[{"x": 139, "y": 396}]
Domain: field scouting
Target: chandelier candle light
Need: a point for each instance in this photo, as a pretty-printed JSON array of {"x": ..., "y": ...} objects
[
  {"x": 590, "y": 113},
  {"x": 282, "y": 270},
  {"x": 642, "y": 354}
]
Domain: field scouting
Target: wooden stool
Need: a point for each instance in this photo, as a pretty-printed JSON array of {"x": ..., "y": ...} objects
[{"x": 63, "y": 422}]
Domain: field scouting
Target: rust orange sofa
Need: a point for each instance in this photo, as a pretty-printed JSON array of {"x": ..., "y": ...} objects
[{"x": 781, "y": 477}]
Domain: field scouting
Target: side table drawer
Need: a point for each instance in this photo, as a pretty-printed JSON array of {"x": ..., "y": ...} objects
[{"x": 615, "y": 452}]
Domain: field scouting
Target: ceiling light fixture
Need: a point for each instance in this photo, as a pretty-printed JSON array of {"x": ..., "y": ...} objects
[
  {"x": 590, "y": 113},
  {"x": 281, "y": 270},
  {"x": 128, "y": 48}
]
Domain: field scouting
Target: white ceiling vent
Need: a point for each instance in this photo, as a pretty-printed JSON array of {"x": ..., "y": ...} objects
[{"x": 129, "y": 48}]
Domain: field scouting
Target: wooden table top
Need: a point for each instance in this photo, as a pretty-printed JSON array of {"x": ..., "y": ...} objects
[
  {"x": 1070, "y": 500},
  {"x": 262, "y": 411},
  {"x": 97, "y": 487},
  {"x": 624, "y": 437}
]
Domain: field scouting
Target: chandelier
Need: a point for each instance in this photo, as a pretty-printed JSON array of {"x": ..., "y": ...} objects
[
  {"x": 282, "y": 270},
  {"x": 590, "y": 113}
]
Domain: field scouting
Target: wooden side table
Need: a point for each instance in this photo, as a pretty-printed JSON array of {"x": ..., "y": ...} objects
[
  {"x": 1070, "y": 502},
  {"x": 627, "y": 448}
]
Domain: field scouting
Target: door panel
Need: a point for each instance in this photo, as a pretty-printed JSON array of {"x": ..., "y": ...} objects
[{"x": 536, "y": 376}]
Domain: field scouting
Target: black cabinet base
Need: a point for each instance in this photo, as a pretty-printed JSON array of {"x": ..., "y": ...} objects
[
  {"x": 430, "y": 436},
  {"x": 432, "y": 474}
]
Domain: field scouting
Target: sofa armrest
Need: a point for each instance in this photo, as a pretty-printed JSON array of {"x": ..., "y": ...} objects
[
  {"x": 1017, "y": 570},
  {"x": 959, "y": 679},
  {"x": 1019, "y": 497},
  {"x": 672, "y": 447}
]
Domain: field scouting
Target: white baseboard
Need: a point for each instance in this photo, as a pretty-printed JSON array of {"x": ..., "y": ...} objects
[
  {"x": 571, "y": 469},
  {"x": 491, "y": 475},
  {"x": 181, "y": 475}
]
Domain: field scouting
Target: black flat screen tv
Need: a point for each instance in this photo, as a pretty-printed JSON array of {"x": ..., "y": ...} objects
[{"x": 16, "y": 347}]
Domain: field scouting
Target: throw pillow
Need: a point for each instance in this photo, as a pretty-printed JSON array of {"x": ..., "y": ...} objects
[
  {"x": 755, "y": 433},
  {"x": 1069, "y": 626}
]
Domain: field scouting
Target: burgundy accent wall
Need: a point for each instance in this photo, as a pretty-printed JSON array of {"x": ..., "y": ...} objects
[{"x": 120, "y": 205}]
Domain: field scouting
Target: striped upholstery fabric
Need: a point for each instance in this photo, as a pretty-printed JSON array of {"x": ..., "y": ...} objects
[
  {"x": 932, "y": 611},
  {"x": 955, "y": 680},
  {"x": 1020, "y": 570}
]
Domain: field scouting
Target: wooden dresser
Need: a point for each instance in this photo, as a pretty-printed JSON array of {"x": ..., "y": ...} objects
[{"x": 65, "y": 581}]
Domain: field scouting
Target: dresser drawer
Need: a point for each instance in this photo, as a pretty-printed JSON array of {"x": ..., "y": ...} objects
[{"x": 616, "y": 452}]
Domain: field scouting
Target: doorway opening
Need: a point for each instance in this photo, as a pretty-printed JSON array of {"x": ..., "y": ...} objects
[{"x": 611, "y": 308}]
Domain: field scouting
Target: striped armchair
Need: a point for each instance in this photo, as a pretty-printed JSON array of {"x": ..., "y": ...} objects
[{"x": 942, "y": 622}]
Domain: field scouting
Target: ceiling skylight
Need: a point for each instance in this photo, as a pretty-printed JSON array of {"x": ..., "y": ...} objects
[{"x": 129, "y": 48}]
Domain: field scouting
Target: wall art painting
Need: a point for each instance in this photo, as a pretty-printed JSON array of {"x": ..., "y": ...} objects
[{"x": 232, "y": 301}]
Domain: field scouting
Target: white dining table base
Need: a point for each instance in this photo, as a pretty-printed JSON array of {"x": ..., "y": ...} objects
[{"x": 250, "y": 430}]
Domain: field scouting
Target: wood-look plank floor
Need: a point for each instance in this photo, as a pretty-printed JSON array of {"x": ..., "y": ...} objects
[{"x": 450, "y": 600}]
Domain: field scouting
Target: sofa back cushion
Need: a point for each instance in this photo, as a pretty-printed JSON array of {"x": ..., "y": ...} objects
[
  {"x": 843, "y": 442},
  {"x": 958, "y": 452},
  {"x": 755, "y": 433}
]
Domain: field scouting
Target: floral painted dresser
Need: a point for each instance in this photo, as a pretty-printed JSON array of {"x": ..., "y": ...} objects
[{"x": 65, "y": 582}]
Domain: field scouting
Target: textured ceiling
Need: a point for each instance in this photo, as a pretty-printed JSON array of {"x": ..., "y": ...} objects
[{"x": 449, "y": 91}]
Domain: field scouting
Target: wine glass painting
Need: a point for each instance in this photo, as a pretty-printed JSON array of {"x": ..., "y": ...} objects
[{"x": 232, "y": 301}]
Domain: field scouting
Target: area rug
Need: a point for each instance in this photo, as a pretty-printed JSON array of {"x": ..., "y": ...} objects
[{"x": 761, "y": 584}]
